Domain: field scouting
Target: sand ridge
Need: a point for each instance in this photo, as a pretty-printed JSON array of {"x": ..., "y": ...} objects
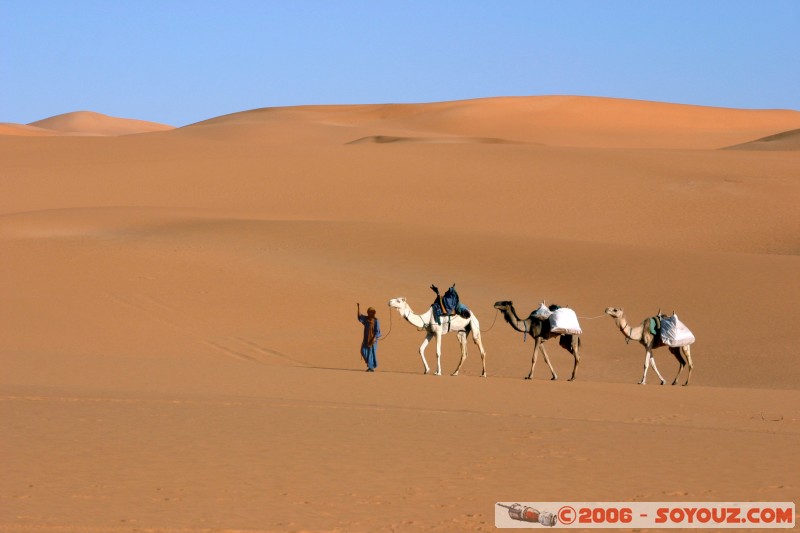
[
  {"x": 787, "y": 140},
  {"x": 8, "y": 128},
  {"x": 551, "y": 120}
]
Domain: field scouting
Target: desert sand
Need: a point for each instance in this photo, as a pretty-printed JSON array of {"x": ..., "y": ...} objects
[{"x": 178, "y": 334}]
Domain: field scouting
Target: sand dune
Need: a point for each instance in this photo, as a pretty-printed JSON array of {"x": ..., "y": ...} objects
[
  {"x": 91, "y": 123},
  {"x": 180, "y": 351}
]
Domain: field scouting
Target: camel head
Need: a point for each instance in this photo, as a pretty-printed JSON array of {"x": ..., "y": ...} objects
[
  {"x": 616, "y": 312},
  {"x": 507, "y": 308},
  {"x": 398, "y": 303},
  {"x": 504, "y": 305}
]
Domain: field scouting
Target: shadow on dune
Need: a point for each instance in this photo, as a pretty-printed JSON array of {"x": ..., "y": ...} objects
[
  {"x": 787, "y": 140},
  {"x": 386, "y": 139}
]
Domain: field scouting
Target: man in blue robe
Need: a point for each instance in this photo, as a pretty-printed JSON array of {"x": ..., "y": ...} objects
[{"x": 372, "y": 332}]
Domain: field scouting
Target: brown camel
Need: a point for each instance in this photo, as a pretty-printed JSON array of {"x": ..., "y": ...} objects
[
  {"x": 645, "y": 337},
  {"x": 539, "y": 329}
]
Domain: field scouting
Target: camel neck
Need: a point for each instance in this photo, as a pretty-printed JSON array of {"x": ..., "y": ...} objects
[
  {"x": 412, "y": 318},
  {"x": 511, "y": 317},
  {"x": 622, "y": 324}
]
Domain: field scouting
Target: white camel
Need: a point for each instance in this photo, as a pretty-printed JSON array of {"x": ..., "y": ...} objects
[
  {"x": 462, "y": 327},
  {"x": 643, "y": 336}
]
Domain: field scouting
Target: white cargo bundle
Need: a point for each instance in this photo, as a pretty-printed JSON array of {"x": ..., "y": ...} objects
[
  {"x": 674, "y": 332},
  {"x": 564, "y": 320},
  {"x": 542, "y": 313}
]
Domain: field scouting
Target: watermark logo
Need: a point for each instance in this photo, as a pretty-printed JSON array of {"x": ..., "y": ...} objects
[
  {"x": 587, "y": 515},
  {"x": 524, "y": 513}
]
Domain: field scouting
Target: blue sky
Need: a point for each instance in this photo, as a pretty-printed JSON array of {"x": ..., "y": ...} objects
[{"x": 182, "y": 61}]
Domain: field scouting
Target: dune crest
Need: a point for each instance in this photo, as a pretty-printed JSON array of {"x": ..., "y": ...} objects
[
  {"x": 96, "y": 124},
  {"x": 24, "y": 130},
  {"x": 549, "y": 120}
]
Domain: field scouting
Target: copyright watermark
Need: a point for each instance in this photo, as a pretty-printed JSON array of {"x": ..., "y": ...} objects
[{"x": 681, "y": 515}]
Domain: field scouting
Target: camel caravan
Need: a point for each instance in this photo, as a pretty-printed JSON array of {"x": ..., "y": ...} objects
[{"x": 447, "y": 314}]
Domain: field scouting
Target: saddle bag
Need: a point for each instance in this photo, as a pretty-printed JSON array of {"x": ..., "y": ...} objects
[
  {"x": 542, "y": 312},
  {"x": 674, "y": 333},
  {"x": 564, "y": 320}
]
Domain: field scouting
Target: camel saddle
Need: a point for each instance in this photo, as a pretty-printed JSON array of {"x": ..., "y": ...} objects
[
  {"x": 654, "y": 324},
  {"x": 448, "y": 305}
]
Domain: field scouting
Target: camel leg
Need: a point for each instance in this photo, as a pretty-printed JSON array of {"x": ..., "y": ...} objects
[
  {"x": 647, "y": 358},
  {"x": 462, "y": 341},
  {"x": 536, "y": 343},
  {"x": 554, "y": 376},
  {"x": 422, "y": 347},
  {"x": 438, "y": 354},
  {"x": 687, "y": 353},
  {"x": 483, "y": 355},
  {"x": 681, "y": 362},
  {"x": 574, "y": 350},
  {"x": 680, "y": 369},
  {"x": 653, "y": 362}
]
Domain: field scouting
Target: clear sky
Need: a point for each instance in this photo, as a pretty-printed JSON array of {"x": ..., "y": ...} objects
[{"x": 182, "y": 61}]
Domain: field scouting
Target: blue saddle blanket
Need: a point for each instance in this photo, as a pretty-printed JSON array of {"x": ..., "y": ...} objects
[{"x": 449, "y": 305}]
